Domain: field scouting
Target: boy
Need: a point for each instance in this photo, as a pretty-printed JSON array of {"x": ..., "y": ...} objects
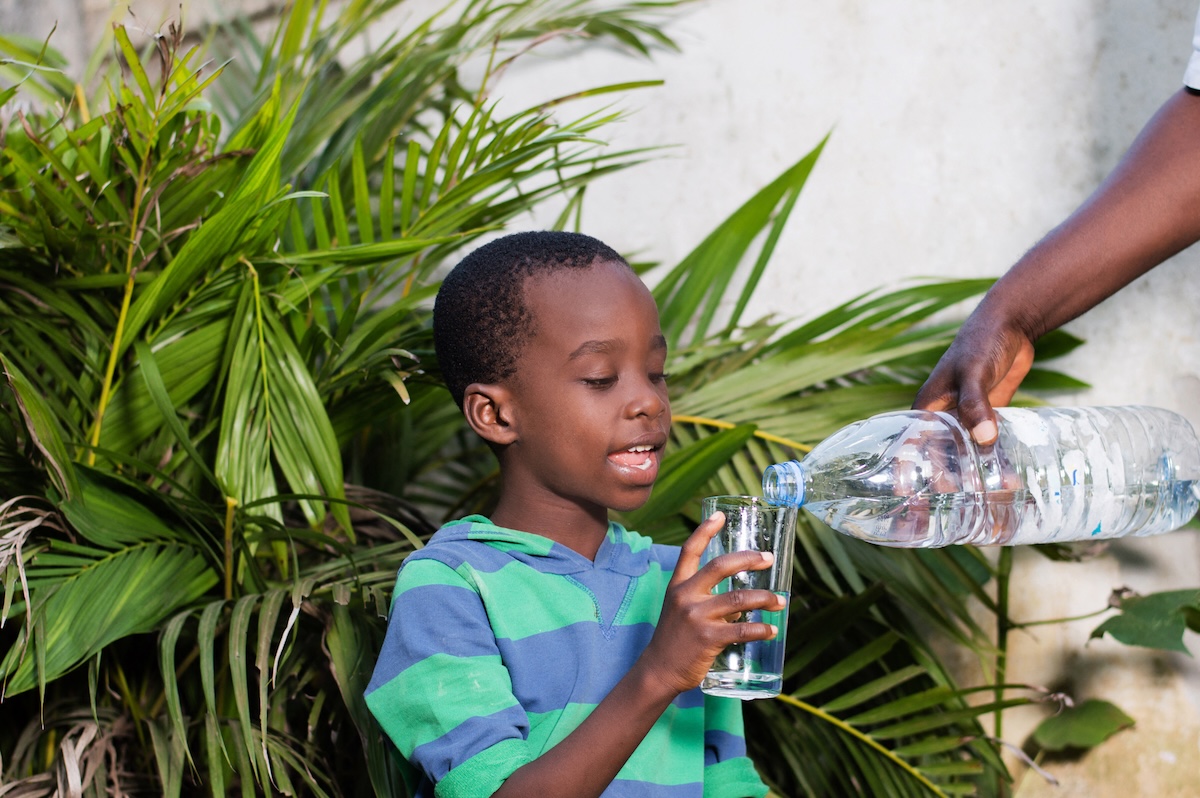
[{"x": 546, "y": 651}]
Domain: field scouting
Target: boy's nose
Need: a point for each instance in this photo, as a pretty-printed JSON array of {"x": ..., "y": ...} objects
[{"x": 647, "y": 401}]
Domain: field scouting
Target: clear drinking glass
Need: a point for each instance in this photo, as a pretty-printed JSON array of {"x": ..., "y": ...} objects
[{"x": 755, "y": 669}]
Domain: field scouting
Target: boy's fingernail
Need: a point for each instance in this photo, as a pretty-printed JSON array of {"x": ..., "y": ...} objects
[
  {"x": 984, "y": 432},
  {"x": 774, "y": 630},
  {"x": 767, "y": 556}
]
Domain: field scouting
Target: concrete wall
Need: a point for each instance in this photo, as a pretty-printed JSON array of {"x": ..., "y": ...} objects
[{"x": 960, "y": 133}]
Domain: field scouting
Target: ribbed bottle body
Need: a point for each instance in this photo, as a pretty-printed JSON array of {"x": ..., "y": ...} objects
[{"x": 916, "y": 479}]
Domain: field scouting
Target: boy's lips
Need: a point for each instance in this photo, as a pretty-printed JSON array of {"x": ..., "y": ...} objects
[{"x": 639, "y": 462}]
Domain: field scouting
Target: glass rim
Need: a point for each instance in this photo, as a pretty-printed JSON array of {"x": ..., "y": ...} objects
[{"x": 740, "y": 500}]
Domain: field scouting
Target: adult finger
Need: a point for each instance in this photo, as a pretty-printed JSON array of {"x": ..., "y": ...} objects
[
  {"x": 976, "y": 414},
  {"x": 1002, "y": 392},
  {"x": 937, "y": 393}
]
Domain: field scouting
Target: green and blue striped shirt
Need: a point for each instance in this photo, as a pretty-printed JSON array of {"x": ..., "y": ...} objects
[{"x": 501, "y": 642}]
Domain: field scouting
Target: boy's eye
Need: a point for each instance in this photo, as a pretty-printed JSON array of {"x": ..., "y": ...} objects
[
  {"x": 659, "y": 377},
  {"x": 599, "y": 382}
]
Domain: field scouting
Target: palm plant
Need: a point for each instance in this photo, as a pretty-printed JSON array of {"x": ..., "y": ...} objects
[
  {"x": 196, "y": 323},
  {"x": 222, "y": 429}
]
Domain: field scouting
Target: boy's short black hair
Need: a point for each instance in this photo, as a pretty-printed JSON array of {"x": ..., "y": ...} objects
[{"x": 480, "y": 320}]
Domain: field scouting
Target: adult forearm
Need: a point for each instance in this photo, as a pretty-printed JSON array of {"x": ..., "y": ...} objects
[
  {"x": 589, "y": 758},
  {"x": 1147, "y": 210}
]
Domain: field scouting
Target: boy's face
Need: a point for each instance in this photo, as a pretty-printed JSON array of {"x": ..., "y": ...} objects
[{"x": 589, "y": 393}]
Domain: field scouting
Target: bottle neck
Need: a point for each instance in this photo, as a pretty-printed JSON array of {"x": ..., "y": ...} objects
[{"x": 783, "y": 484}]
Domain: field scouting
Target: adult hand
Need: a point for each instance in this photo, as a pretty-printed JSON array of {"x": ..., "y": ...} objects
[
  {"x": 695, "y": 625},
  {"x": 983, "y": 368},
  {"x": 1143, "y": 213}
]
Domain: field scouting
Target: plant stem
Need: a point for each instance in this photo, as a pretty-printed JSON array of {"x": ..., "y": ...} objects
[
  {"x": 230, "y": 505},
  {"x": 135, "y": 224},
  {"x": 85, "y": 115},
  {"x": 1047, "y": 621},
  {"x": 702, "y": 421},
  {"x": 1003, "y": 576}
]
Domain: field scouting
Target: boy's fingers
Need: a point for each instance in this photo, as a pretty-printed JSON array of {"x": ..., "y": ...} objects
[
  {"x": 729, "y": 564},
  {"x": 736, "y": 602},
  {"x": 747, "y": 632},
  {"x": 693, "y": 548}
]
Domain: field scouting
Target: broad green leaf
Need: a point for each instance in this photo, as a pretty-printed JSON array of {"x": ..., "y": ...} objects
[
  {"x": 849, "y": 666},
  {"x": 206, "y": 639},
  {"x": 134, "y": 63},
  {"x": 159, "y": 392},
  {"x": 1085, "y": 725},
  {"x": 1157, "y": 620},
  {"x": 168, "y": 757},
  {"x": 239, "y": 666},
  {"x": 874, "y": 688},
  {"x": 167, "y": 642}
]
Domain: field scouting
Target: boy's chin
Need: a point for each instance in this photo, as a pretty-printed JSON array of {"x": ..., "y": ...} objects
[{"x": 631, "y": 501}]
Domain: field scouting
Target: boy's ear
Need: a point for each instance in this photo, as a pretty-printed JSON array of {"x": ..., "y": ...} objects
[{"x": 489, "y": 409}]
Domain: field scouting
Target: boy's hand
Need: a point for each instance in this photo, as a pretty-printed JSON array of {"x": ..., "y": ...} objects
[{"x": 695, "y": 625}]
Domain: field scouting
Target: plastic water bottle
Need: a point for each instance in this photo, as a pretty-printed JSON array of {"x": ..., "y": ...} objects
[{"x": 916, "y": 479}]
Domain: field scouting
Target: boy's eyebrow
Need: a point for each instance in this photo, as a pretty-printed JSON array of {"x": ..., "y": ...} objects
[{"x": 600, "y": 347}]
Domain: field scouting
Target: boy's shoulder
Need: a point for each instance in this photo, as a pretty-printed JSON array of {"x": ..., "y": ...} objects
[{"x": 476, "y": 542}]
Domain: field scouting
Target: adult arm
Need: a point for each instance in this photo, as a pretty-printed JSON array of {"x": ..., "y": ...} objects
[{"x": 1145, "y": 211}]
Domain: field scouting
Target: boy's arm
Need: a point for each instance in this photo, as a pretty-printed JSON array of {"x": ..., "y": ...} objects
[
  {"x": 691, "y": 631},
  {"x": 440, "y": 690},
  {"x": 1147, "y": 210}
]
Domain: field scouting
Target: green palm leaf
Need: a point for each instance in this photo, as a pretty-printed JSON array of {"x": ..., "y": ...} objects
[
  {"x": 138, "y": 572},
  {"x": 43, "y": 428},
  {"x": 690, "y": 295}
]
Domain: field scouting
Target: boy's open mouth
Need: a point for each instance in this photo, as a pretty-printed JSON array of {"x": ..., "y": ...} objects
[{"x": 639, "y": 457}]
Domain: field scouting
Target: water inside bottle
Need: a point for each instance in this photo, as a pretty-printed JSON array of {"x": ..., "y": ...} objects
[
  {"x": 1009, "y": 517},
  {"x": 915, "y": 478}
]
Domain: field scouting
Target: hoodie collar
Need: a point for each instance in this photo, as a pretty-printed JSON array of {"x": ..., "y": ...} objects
[{"x": 616, "y": 552}]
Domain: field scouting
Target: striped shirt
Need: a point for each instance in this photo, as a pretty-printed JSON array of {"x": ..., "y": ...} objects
[{"x": 501, "y": 642}]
